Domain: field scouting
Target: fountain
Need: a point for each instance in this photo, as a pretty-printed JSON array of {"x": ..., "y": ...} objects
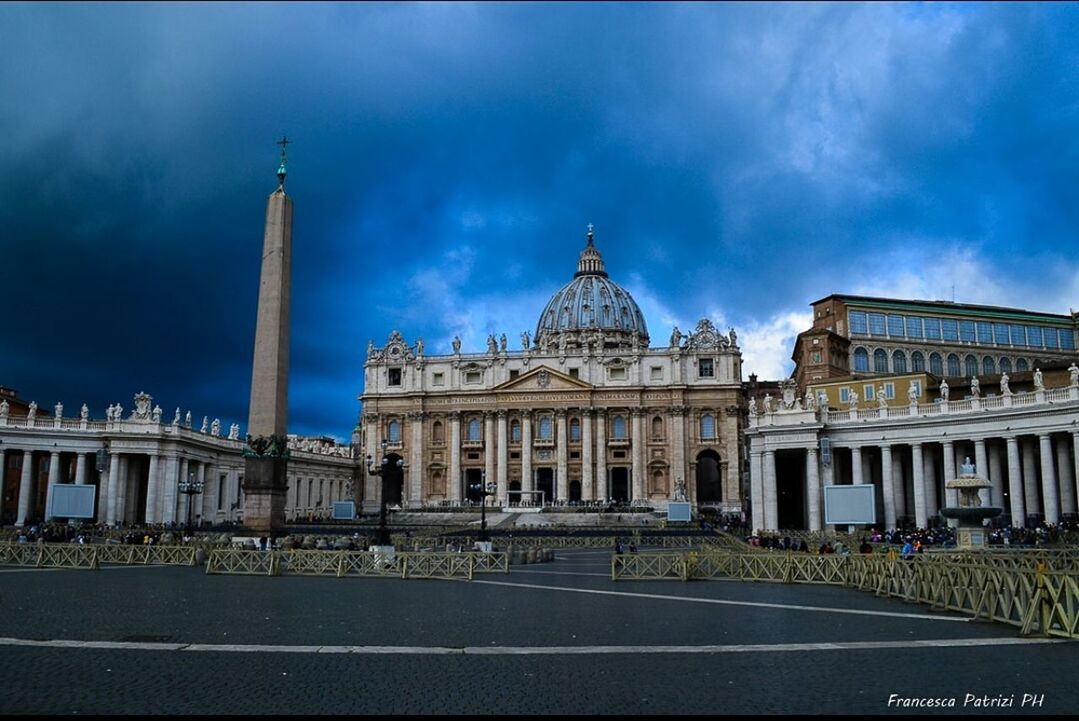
[{"x": 970, "y": 533}]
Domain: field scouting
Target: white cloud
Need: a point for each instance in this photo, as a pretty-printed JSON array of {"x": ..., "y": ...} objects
[{"x": 767, "y": 345}]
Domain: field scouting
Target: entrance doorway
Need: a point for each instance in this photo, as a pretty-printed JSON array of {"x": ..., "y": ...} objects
[
  {"x": 515, "y": 492},
  {"x": 473, "y": 484},
  {"x": 790, "y": 490},
  {"x": 545, "y": 483},
  {"x": 620, "y": 484},
  {"x": 393, "y": 481},
  {"x": 709, "y": 485},
  {"x": 575, "y": 491}
]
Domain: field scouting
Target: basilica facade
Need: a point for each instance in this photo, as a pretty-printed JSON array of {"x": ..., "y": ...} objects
[{"x": 585, "y": 411}]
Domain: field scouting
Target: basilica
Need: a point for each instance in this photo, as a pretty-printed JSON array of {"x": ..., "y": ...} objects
[{"x": 587, "y": 411}]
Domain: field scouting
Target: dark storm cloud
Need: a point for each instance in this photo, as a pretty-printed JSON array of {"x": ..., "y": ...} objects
[{"x": 740, "y": 159}]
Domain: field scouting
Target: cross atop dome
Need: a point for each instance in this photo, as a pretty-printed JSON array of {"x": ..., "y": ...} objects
[{"x": 590, "y": 261}]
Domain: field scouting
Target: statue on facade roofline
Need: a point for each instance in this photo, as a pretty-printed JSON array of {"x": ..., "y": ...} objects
[
  {"x": 734, "y": 339},
  {"x": 155, "y": 416},
  {"x": 1073, "y": 371},
  {"x": 419, "y": 346},
  {"x": 944, "y": 391},
  {"x": 752, "y": 406},
  {"x": 234, "y": 431},
  {"x": 524, "y": 341},
  {"x": 975, "y": 387},
  {"x": 84, "y": 413},
  {"x": 5, "y": 408},
  {"x": 1039, "y": 383},
  {"x": 882, "y": 397},
  {"x": 811, "y": 401},
  {"x": 492, "y": 344},
  {"x": 852, "y": 399},
  {"x": 676, "y": 337},
  {"x": 456, "y": 344},
  {"x": 58, "y": 410},
  {"x": 205, "y": 424},
  {"x": 1005, "y": 390},
  {"x": 176, "y": 418},
  {"x": 502, "y": 343},
  {"x": 370, "y": 349},
  {"x": 215, "y": 428},
  {"x": 187, "y": 419},
  {"x": 32, "y": 412},
  {"x": 766, "y": 405},
  {"x": 912, "y": 394}
]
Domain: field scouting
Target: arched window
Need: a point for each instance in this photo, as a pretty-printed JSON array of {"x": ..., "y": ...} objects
[
  {"x": 708, "y": 426},
  {"x": 545, "y": 428},
  {"x": 1005, "y": 365},
  {"x": 575, "y": 430},
  {"x": 899, "y": 362},
  {"x": 971, "y": 364},
  {"x": 936, "y": 364},
  {"x": 515, "y": 431},
  {"x": 436, "y": 432},
  {"x": 917, "y": 362},
  {"x": 393, "y": 432},
  {"x": 880, "y": 361},
  {"x": 953, "y": 366},
  {"x": 657, "y": 427},
  {"x": 989, "y": 366},
  {"x": 473, "y": 429},
  {"x": 1022, "y": 365},
  {"x": 618, "y": 427},
  {"x": 861, "y": 359}
]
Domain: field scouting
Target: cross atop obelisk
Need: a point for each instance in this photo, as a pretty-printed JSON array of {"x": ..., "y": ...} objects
[{"x": 266, "y": 454}]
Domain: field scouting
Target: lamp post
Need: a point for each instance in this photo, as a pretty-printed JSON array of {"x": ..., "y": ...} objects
[
  {"x": 485, "y": 489},
  {"x": 190, "y": 487},
  {"x": 382, "y": 472}
]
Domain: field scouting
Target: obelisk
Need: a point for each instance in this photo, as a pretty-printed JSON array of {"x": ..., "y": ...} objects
[{"x": 266, "y": 453}]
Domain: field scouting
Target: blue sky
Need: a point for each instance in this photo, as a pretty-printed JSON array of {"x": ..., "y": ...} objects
[{"x": 738, "y": 162}]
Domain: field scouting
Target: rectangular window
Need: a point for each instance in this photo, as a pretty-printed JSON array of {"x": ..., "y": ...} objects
[
  {"x": 914, "y": 326},
  {"x": 393, "y": 376},
  {"x": 1067, "y": 340},
  {"x": 932, "y": 328},
  {"x": 1050, "y": 337},
  {"x": 1000, "y": 333},
  {"x": 616, "y": 374},
  {"x": 985, "y": 332},
  {"x": 966, "y": 331},
  {"x": 438, "y": 379},
  {"x": 844, "y": 395},
  {"x": 514, "y": 373},
  {"x": 1034, "y": 336},
  {"x": 950, "y": 328},
  {"x": 858, "y": 323},
  {"x": 473, "y": 376},
  {"x": 816, "y": 356},
  {"x": 889, "y": 390},
  {"x": 867, "y": 392},
  {"x": 574, "y": 455},
  {"x": 705, "y": 369},
  {"x": 896, "y": 326},
  {"x": 1019, "y": 335},
  {"x": 515, "y": 455},
  {"x": 656, "y": 373},
  {"x": 574, "y": 372},
  {"x": 876, "y": 324}
]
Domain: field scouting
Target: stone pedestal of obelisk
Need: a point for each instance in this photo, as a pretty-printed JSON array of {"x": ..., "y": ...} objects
[{"x": 266, "y": 453}]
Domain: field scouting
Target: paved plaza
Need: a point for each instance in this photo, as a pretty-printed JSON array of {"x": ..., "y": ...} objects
[{"x": 559, "y": 637}]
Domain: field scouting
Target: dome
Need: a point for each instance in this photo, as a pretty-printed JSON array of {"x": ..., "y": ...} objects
[{"x": 591, "y": 303}]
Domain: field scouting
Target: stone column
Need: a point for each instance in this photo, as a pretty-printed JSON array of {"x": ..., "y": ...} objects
[
  {"x": 917, "y": 470},
  {"x": 80, "y": 469},
  {"x": 827, "y": 479},
  {"x": 771, "y": 509},
  {"x": 503, "y": 458},
  {"x": 756, "y": 490},
  {"x": 24, "y": 488},
  {"x": 527, "y": 482},
  {"x": 1066, "y": 478},
  {"x": 678, "y": 447},
  {"x": 1015, "y": 484},
  {"x": 951, "y": 495},
  {"x": 813, "y": 488},
  {"x": 415, "y": 463},
  {"x": 561, "y": 457},
  {"x": 603, "y": 488},
  {"x": 887, "y": 486},
  {"x": 1049, "y": 480},
  {"x": 996, "y": 476},
  {"x": 454, "y": 480},
  {"x": 981, "y": 463},
  {"x": 211, "y": 491},
  {"x": 114, "y": 488},
  {"x": 122, "y": 485},
  {"x": 152, "y": 490},
  {"x": 182, "y": 499},
  {"x": 588, "y": 487},
  {"x": 131, "y": 490},
  {"x": 929, "y": 471},
  {"x": 169, "y": 490},
  {"x": 900, "y": 485},
  {"x": 1030, "y": 476},
  {"x": 637, "y": 454},
  {"x": 856, "y": 466},
  {"x": 196, "y": 512},
  {"x": 54, "y": 478},
  {"x": 489, "y": 450}
]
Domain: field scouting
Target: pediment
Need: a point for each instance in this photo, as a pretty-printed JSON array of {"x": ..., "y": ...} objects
[{"x": 543, "y": 378}]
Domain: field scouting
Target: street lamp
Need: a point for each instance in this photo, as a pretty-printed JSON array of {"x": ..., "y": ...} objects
[
  {"x": 382, "y": 472},
  {"x": 485, "y": 489},
  {"x": 190, "y": 487}
]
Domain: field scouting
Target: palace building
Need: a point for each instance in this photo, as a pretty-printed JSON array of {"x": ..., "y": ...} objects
[{"x": 586, "y": 410}]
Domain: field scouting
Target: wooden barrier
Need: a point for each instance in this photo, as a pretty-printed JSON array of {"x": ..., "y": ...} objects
[{"x": 231, "y": 561}]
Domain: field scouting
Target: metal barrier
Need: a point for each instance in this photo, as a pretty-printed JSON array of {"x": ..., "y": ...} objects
[{"x": 242, "y": 562}]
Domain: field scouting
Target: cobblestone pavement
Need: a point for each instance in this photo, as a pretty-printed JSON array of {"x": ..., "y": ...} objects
[{"x": 390, "y": 646}]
